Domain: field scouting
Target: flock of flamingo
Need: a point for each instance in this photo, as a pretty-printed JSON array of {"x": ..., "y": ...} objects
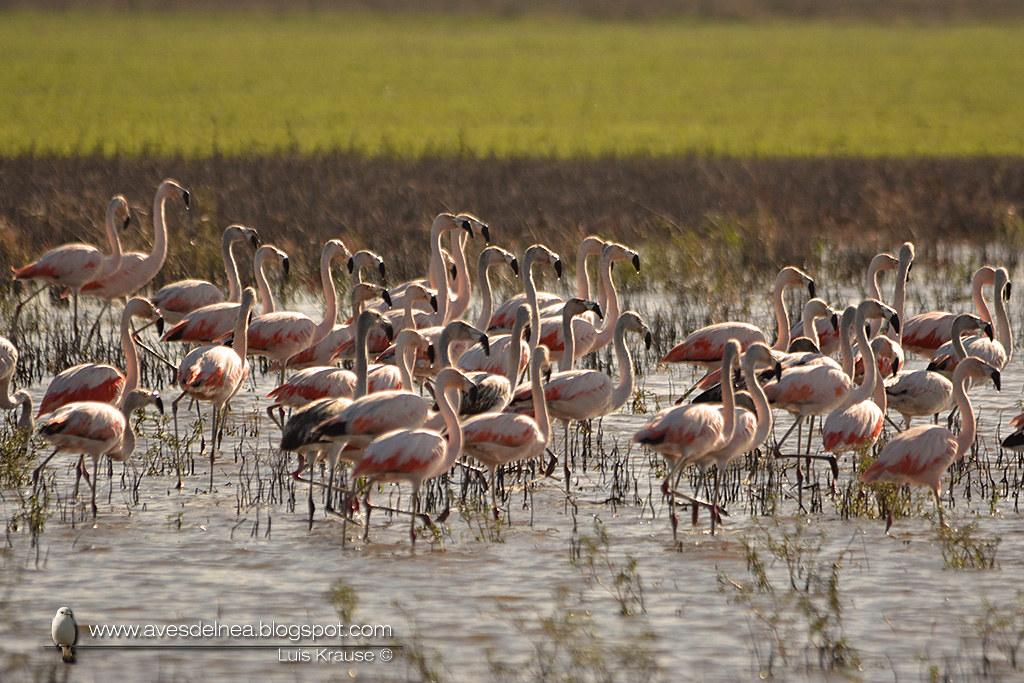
[{"x": 443, "y": 387}]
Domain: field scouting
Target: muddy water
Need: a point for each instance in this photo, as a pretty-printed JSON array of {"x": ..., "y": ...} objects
[{"x": 479, "y": 596}]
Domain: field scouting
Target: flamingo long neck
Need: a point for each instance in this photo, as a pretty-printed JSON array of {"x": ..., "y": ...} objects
[
  {"x": 781, "y": 315},
  {"x": 408, "y": 319},
  {"x": 624, "y": 389},
  {"x": 486, "y": 297},
  {"x": 453, "y": 445},
  {"x": 810, "y": 329},
  {"x": 515, "y": 351},
  {"x": 728, "y": 399},
  {"x": 231, "y": 267},
  {"x": 967, "y": 422},
  {"x": 362, "y": 360},
  {"x": 112, "y": 262},
  {"x": 406, "y": 357},
  {"x": 436, "y": 271},
  {"x": 241, "y": 339},
  {"x": 866, "y": 389},
  {"x": 582, "y": 275},
  {"x": 330, "y": 305},
  {"x": 610, "y": 307},
  {"x": 261, "y": 283},
  {"x": 157, "y": 257},
  {"x": 762, "y": 410},
  {"x": 7, "y": 402},
  {"x": 569, "y": 342},
  {"x": 131, "y": 354},
  {"x": 540, "y": 404},
  {"x": 530, "y": 289},
  {"x": 982, "y": 277},
  {"x": 463, "y": 287},
  {"x": 899, "y": 299},
  {"x": 958, "y": 343},
  {"x": 846, "y": 346},
  {"x": 1003, "y": 333},
  {"x": 443, "y": 314}
]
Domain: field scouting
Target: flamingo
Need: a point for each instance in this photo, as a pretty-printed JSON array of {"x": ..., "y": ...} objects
[
  {"x": 685, "y": 434},
  {"x": 1015, "y": 441},
  {"x": 99, "y": 382},
  {"x": 415, "y": 455},
  {"x": 703, "y": 347},
  {"x": 856, "y": 426},
  {"x": 996, "y": 352},
  {"x": 137, "y": 269},
  {"x": 926, "y": 332},
  {"x": 177, "y": 299},
  {"x": 328, "y": 381},
  {"x": 463, "y": 292},
  {"x": 919, "y": 393},
  {"x": 72, "y": 266},
  {"x": 504, "y": 317},
  {"x": 328, "y": 349},
  {"x": 95, "y": 429},
  {"x": 497, "y": 439},
  {"x": 282, "y": 334},
  {"x": 363, "y": 259},
  {"x": 586, "y": 336},
  {"x": 508, "y": 353},
  {"x": 215, "y": 374},
  {"x": 8, "y": 366},
  {"x": 921, "y": 455},
  {"x": 210, "y": 323}
]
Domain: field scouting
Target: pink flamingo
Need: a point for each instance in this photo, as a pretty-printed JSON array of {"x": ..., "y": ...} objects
[
  {"x": 211, "y": 323},
  {"x": 926, "y": 332},
  {"x": 336, "y": 343},
  {"x": 137, "y": 269},
  {"x": 920, "y": 393},
  {"x": 282, "y": 334},
  {"x": 497, "y": 439},
  {"x": 921, "y": 455},
  {"x": 415, "y": 455},
  {"x": 99, "y": 382},
  {"x": 686, "y": 434},
  {"x": 996, "y": 352},
  {"x": 363, "y": 259},
  {"x": 215, "y": 373},
  {"x": 95, "y": 429},
  {"x": 587, "y": 336},
  {"x": 704, "y": 347},
  {"x": 341, "y": 344},
  {"x": 505, "y": 357},
  {"x": 855, "y": 426},
  {"x": 74, "y": 265},
  {"x": 179, "y": 298},
  {"x": 8, "y": 366},
  {"x": 505, "y": 316}
]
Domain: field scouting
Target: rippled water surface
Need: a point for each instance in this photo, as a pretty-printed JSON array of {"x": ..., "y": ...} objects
[{"x": 479, "y": 597}]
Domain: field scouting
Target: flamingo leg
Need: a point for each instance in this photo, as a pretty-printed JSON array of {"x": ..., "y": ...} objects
[
  {"x": 17, "y": 311},
  {"x": 95, "y": 325},
  {"x": 92, "y": 484},
  {"x": 213, "y": 445},
  {"x": 177, "y": 442},
  {"x": 938, "y": 504},
  {"x": 714, "y": 500},
  {"x": 37, "y": 470},
  {"x": 412, "y": 518},
  {"x": 74, "y": 319}
]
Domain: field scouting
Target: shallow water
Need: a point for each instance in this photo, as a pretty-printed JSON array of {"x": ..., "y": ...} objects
[{"x": 480, "y": 596}]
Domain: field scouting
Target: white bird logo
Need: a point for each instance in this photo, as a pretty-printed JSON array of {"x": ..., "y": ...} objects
[{"x": 64, "y": 632}]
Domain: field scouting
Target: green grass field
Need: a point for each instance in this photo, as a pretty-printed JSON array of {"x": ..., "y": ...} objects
[{"x": 255, "y": 84}]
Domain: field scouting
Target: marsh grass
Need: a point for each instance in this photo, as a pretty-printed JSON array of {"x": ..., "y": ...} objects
[{"x": 965, "y": 547}]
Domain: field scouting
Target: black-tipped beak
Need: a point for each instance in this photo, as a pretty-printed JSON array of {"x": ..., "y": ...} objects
[
  {"x": 285, "y": 265},
  {"x": 909, "y": 268},
  {"x": 433, "y": 302},
  {"x": 468, "y": 227},
  {"x": 486, "y": 343},
  {"x": 1006, "y": 291},
  {"x": 160, "y": 326},
  {"x": 526, "y": 331},
  {"x": 127, "y": 221},
  {"x": 777, "y": 369},
  {"x": 834, "y": 320},
  {"x": 894, "y": 322},
  {"x": 810, "y": 288},
  {"x": 597, "y": 310},
  {"x": 254, "y": 240},
  {"x": 186, "y": 196},
  {"x": 383, "y": 271},
  {"x": 454, "y": 270},
  {"x": 558, "y": 268},
  {"x": 648, "y": 339},
  {"x": 486, "y": 232},
  {"x": 351, "y": 265},
  {"x": 636, "y": 262},
  {"x": 515, "y": 265},
  {"x": 430, "y": 353},
  {"x": 996, "y": 380},
  {"x": 387, "y": 297},
  {"x": 159, "y": 404},
  {"x": 987, "y": 328},
  {"x": 389, "y": 330}
]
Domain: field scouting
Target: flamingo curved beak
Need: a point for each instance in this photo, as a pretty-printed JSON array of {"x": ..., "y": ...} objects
[
  {"x": 810, "y": 288},
  {"x": 514, "y": 264},
  {"x": 383, "y": 271},
  {"x": 894, "y": 322},
  {"x": 387, "y": 297},
  {"x": 186, "y": 196},
  {"x": 648, "y": 339},
  {"x": 285, "y": 265},
  {"x": 160, "y": 325},
  {"x": 433, "y": 302},
  {"x": 254, "y": 239},
  {"x": 159, "y": 404},
  {"x": 558, "y": 268},
  {"x": 636, "y": 262}
]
